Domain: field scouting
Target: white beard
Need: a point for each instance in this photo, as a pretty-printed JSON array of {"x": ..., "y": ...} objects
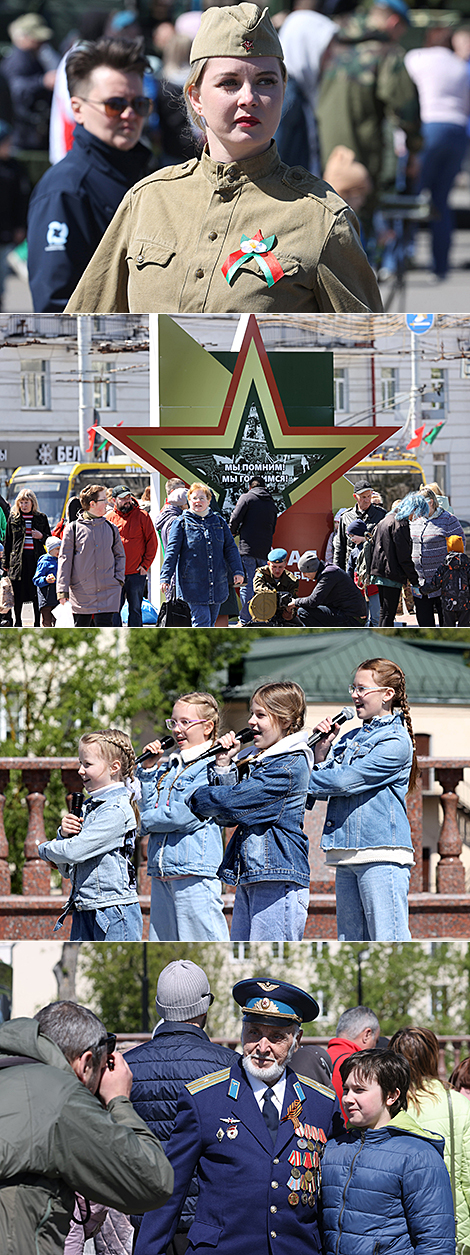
[{"x": 270, "y": 1075}]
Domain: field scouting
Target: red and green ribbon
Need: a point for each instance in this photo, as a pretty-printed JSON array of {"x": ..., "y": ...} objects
[{"x": 258, "y": 248}]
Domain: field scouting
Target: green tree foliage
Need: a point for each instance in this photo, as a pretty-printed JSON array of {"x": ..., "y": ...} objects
[
  {"x": 114, "y": 972},
  {"x": 397, "y": 978},
  {"x": 163, "y": 664},
  {"x": 53, "y": 686}
]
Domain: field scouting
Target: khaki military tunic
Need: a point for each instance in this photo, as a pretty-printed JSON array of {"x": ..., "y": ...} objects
[{"x": 167, "y": 242}]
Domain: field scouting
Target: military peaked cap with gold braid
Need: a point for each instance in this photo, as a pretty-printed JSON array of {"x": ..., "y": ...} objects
[{"x": 274, "y": 1002}]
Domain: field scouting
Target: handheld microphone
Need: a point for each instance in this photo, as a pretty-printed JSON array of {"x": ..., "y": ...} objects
[
  {"x": 166, "y": 744},
  {"x": 346, "y": 713},
  {"x": 244, "y": 736},
  {"x": 76, "y": 803}
]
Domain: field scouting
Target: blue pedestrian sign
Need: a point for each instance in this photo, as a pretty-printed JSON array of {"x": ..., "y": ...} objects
[{"x": 419, "y": 323}]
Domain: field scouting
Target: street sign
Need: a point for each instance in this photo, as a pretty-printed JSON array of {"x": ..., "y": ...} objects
[{"x": 419, "y": 323}]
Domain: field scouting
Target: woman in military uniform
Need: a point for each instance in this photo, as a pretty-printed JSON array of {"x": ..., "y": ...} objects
[{"x": 237, "y": 231}]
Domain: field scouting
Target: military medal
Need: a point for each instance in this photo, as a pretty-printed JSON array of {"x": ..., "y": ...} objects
[
  {"x": 293, "y": 1199},
  {"x": 232, "y": 1131},
  {"x": 219, "y": 1135},
  {"x": 260, "y": 249}
]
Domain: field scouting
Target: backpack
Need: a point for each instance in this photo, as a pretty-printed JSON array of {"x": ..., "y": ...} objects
[{"x": 364, "y": 561}]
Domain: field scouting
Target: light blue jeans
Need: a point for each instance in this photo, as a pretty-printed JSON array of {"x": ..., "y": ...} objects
[
  {"x": 188, "y": 908},
  {"x": 270, "y": 910},
  {"x": 109, "y": 923},
  {"x": 203, "y": 615},
  {"x": 246, "y": 592},
  {"x": 372, "y": 902},
  {"x": 374, "y": 610}
]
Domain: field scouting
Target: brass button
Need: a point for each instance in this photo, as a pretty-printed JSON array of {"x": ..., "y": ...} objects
[
  {"x": 275, "y": 1161},
  {"x": 199, "y": 274},
  {"x": 212, "y": 235},
  {"x": 231, "y": 176},
  {"x": 273, "y": 1233},
  {"x": 275, "y": 1185},
  {"x": 273, "y": 1208}
]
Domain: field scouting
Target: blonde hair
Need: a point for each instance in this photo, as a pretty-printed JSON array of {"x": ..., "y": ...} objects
[
  {"x": 207, "y": 706},
  {"x": 203, "y": 488},
  {"x": 114, "y": 744},
  {"x": 285, "y": 701},
  {"x": 194, "y": 79},
  {"x": 24, "y": 495},
  {"x": 388, "y": 674}
]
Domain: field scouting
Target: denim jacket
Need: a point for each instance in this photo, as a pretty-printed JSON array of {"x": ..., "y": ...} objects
[
  {"x": 202, "y": 552},
  {"x": 365, "y": 778},
  {"x": 268, "y": 805},
  {"x": 94, "y": 859},
  {"x": 179, "y": 843}
]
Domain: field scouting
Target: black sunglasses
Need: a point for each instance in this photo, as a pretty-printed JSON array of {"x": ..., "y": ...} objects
[
  {"x": 116, "y": 105},
  {"x": 109, "y": 1041}
]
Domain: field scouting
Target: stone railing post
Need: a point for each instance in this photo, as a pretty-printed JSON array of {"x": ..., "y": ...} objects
[
  {"x": 5, "y": 879},
  {"x": 36, "y": 873},
  {"x": 143, "y": 885},
  {"x": 414, "y": 807},
  {"x": 450, "y": 872}
]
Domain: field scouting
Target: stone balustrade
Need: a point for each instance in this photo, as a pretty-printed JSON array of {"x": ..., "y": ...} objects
[{"x": 32, "y": 913}]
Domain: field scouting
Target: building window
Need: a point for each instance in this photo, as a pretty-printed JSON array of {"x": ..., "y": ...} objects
[
  {"x": 104, "y": 391},
  {"x": 438, "y": 392},
  {"x": 441, "y": 472},
  {"x": 341, "y": 389},
  {"x": 389, "y": 377},
  {"x": 240, "y": 951},
  {"x": 34, "y": 384}
]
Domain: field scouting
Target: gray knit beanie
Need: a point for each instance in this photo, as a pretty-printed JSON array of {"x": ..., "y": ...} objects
[{"x": 182, "y": 991}]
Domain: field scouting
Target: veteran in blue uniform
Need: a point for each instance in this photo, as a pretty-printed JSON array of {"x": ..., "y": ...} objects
[{"x": 255, "y": 1133}]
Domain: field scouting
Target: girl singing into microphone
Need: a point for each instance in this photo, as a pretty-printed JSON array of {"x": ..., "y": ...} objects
[
  {"x": 184, "y": 852},
  {"x": 366, "y": 777},
  {"x": 267, "y": 857},
  {"x": 95, "y": 850}
]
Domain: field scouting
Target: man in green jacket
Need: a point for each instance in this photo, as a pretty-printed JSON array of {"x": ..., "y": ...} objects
[
  {"x": 365, "y": 92},
  {"x": 68, "y": 1126}
]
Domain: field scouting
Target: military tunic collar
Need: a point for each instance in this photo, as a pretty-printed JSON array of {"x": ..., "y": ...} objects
[{"x": 229, "y": 176}]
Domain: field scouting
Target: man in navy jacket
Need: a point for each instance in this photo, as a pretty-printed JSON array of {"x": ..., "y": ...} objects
[
  {"x": 256, "y": 1132},
  {"x": 72, "y": 205},
  {"x": 180, "y": 1051}
]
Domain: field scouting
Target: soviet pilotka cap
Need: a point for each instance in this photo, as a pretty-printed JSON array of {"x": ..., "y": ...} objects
[
  {"x": 268, "y": 1001},
  {"x": 238, "y": 30}
]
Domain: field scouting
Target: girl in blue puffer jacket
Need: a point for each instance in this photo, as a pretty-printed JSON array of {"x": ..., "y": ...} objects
[
  {"x": 385, "y": 1187},
  {"x": 366, "y": 778}
]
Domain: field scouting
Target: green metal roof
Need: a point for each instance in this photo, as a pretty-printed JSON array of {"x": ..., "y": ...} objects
[{"x": 324, "y": 662}]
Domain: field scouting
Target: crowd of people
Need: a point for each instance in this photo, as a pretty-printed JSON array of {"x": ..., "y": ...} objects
[
  {"x": 187, "y": 788},
  {"x": 141, "y": 143},
  {"x": 182, "y": 1143},
  {"x": 98, "y": 559}
]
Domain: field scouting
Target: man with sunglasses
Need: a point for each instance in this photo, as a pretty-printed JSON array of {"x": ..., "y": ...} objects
[
  {"x": 68, "y": 1127},
  {"x": 73, "y": 203}
]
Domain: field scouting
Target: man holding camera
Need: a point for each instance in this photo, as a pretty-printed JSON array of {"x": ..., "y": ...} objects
[{"x": 68, "y": 1126}]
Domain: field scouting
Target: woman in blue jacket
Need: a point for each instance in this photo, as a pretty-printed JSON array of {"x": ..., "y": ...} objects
[
  {"x": 267, "y": 857},
  {"x": 366, "y": 777},
  {"x": 385, "y": 1187},
  {"x": 184, "y": 852},
  {"x": 202, "y": 552}
]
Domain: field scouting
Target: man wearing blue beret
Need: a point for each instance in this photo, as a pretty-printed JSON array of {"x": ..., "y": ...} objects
[{"x": 256, "y": 1133}]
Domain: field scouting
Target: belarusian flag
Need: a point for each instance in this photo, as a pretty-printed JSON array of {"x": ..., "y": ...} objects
[
  {"x": 416, "y": 441},
  {"x": 431, "y": 436}
]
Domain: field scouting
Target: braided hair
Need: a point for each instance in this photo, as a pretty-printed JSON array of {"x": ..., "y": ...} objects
[
  {"x": 389, "y": 675},
  {"x": 114, "y": 744}
]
